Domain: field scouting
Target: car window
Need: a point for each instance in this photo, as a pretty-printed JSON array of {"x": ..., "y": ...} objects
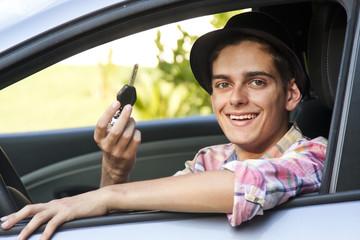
[{"x": 76, "y": 91}]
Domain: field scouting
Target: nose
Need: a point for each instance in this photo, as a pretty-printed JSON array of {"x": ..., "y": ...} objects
[{"x": 239, "y": 96}]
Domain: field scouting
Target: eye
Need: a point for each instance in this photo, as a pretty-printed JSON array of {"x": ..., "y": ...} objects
[
  {"x": 258, "y": 83},
  {"x": 222, "y": 85}
]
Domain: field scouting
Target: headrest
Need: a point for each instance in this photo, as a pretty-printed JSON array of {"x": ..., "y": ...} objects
[{"x": 326, "y": 41}]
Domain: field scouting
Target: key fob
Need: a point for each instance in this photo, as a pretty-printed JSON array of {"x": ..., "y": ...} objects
[{"x": 126, "y": 95}]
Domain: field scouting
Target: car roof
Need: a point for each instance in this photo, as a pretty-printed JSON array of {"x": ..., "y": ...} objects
[{"x": 29, "y": 17}]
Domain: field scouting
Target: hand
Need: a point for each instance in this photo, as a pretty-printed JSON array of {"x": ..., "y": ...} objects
[
  {"x": 118, "y": 144},
  {"x": 57, "y": 212}
]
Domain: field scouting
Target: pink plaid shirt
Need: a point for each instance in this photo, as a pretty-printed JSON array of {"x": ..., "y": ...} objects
[{"x": 292, "y": 166}]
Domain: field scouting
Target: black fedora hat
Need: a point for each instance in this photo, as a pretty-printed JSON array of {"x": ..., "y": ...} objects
[{"x": 256, "y": 24}]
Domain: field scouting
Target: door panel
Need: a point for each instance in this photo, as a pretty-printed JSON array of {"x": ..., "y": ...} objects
[
  {"x": 61, "y": 163},
  {"x": 82, "y": 173}
]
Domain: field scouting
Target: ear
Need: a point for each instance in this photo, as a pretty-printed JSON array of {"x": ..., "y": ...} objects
[{"x": 293, "y": 95}]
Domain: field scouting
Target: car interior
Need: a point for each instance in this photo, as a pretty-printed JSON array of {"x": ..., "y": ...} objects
[{"x": 319, "y": 32}]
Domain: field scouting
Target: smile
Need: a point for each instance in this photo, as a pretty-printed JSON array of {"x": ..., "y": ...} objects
[{"x": 243, "y": 117}]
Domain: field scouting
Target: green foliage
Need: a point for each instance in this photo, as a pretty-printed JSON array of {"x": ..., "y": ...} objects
[
  {"x": 111, "y": 78},
  {"x": 172, "y": 90},
  {"x": 219, "y": 20},
  {"x": 176, "y": 93},
  {"x": 107, "y": 71}
]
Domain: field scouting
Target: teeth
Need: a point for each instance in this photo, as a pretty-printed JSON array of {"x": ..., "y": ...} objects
[{"x": 242, "y": 117}]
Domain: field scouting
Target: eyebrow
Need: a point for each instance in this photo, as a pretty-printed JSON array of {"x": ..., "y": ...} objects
[
  {"x": 220, "y": 76},
  {"x": 258, "y": 73},
  {"x": 247, "y": 75}
]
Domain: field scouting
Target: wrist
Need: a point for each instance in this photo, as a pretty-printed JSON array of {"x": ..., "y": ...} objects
[
  {"x": 118, "y": 170},
  {"x": 110, "y": 177},
  {"x": 113, "y": 197},
  {"x": 107, "y": 195}
]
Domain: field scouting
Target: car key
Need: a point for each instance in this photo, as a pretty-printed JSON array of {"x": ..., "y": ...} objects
[{"x": 126, "y": 95}]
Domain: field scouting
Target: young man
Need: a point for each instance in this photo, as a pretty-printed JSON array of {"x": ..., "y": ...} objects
[{"x": 254, "y": 80}]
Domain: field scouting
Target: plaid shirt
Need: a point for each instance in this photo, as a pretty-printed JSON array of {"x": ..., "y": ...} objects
[{"x": 292, "y": 166}]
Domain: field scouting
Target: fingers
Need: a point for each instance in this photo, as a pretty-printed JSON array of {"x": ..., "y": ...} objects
[
  {"x": 40, "y": 216},
  {"x": 101, "y": 126},
  {"x": 117, "y": 138},
  {"x": 51, "y": 227},
  {"x": 54, "y": 213},
  {"x": 122, "y": 134},
  {"x": 10, "y": 220},
  {"x": 135, "y": 142},
  {"x": 101, "y": 130},
  {"x": 122, "y": 143},
  {"x": 122, "y": 129},
  {"x": 35, "y": 222}
]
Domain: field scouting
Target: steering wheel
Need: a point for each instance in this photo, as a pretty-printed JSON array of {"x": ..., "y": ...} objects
[
  {"x": 7, "y": 205},
  {"x": 13, "y": 194}
]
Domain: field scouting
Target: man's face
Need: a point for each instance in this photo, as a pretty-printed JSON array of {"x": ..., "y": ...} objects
[{"x": 248, "y": 99}]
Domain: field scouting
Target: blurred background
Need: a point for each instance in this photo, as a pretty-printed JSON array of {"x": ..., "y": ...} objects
[{"x": 76, "y": 91}]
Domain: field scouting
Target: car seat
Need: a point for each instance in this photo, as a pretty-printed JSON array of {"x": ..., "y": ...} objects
[
  {"x": 325, "y": 48},
  {"x": 325, "y": 45}
]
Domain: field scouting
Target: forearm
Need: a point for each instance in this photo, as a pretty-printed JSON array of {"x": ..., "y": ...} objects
[
  {"x": 201, "y": 192},
  {"x": 198, "y": 192}
]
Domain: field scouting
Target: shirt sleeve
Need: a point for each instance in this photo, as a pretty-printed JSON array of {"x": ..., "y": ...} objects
[
  {"x": 189, "y": 166},
  {"x": 208, "y": 159},
  {"x": 195, "y": 165},
  {"x": 262, "y": 184}
]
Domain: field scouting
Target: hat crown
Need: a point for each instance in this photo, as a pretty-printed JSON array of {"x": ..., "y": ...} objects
[{"x": 262, "y": 22}]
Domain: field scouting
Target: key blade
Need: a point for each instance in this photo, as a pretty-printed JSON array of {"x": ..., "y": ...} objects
[{"x": 133, "y": 75}]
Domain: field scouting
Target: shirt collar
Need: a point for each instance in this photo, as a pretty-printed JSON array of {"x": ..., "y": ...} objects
[{"x": 291, "y": 136}]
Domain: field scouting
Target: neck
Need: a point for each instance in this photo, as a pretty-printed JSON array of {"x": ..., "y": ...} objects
[
  {"x": 258, "y": 150},
  {"x": 244, "y": 154}
]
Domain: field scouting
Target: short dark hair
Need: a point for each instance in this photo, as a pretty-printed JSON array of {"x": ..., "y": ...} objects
[{"x": 280, "y": 62}]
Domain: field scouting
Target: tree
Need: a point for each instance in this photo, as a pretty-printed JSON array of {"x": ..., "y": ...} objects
[
  {"x": 193, "y": 99},
  {"x": 176, "y": 93},
  {"x": 219, "y": 20}
]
